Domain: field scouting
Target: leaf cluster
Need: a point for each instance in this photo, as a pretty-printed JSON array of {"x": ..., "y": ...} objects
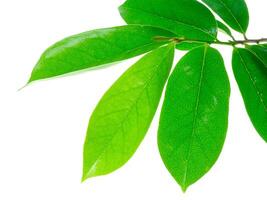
[{"x": 194, "y": 116}]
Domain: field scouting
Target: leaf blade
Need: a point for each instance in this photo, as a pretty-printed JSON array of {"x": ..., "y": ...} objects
[
  {"x": 260, "y": 51},
  {"x": 194, "y": 116},
  {"x": 251, "y": 76},
  {"x": 185, "y": 45},
  {"x": 234, "y": 13},
  {"x": 172, "y": 16},
  {"x": 96, "y": 48},
  {"x": 115, "y": 123}
]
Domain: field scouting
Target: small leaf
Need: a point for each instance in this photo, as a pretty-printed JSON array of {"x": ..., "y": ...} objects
[
  {"x": 188, "y": 19},
  {"x": 233, "y": 12},
  {"x": 260, "y": 51},
  {"x": 194, "y": 117},
  {"x": 96, "y": 48},
  {"x": 123, "y": 115},
  {"x": 251, "y": 76},
  {"x": 224, "y": 28}
]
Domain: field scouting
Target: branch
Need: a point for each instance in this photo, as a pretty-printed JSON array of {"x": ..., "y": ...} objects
[
  {"x": 231, "y": 42},
  {"x": 257, "y": 41}
]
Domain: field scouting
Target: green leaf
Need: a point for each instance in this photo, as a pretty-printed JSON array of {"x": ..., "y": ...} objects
[
  {"x": 187, "y": 45},
  {"x": 233, "y": 12},
  {"x": 123, "y": 115},
  {"x": 260, "y": 51},
  {"x": 251, "y": 76},
  {"x": 96, "y": 48},
  {"x": 187, "y": 19},
  {"x": 194, "y": 116},
  {"x": 224, "y": 28}
]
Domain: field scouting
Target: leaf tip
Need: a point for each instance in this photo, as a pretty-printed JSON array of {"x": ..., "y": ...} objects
[
  {"x": 88, "y": 173},
  {"x": 184, "y": 188},
  {"x": 84, "y": 178}
]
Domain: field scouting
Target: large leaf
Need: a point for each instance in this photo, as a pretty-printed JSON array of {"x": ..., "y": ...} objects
[
  {"x": 233, "y": 12},
  {"x": 96, "y": 48},
  {"x": 194, "y": 116},
  {"x": 251, "y": 76},
  {"x": 259, "y": 51},
  {"x": 187, "y": 19},
  {"x": 123, "y": 115}
]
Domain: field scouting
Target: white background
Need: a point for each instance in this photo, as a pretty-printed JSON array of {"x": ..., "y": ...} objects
[{"x": 43, "y": 126}]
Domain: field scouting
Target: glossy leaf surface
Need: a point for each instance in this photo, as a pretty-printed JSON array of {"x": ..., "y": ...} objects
[
  {"x": 194, "y": 117},
  {"x": 251, "y": 76},
  {"x": 123, "y": 115},
  {"x": 96, "y": 48},
  {"x": 184, "y": 46},
  {"x": 233, "y": 12},
  {"x": 260, "y": 51},
  {"x": 187, "y": 19}
]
